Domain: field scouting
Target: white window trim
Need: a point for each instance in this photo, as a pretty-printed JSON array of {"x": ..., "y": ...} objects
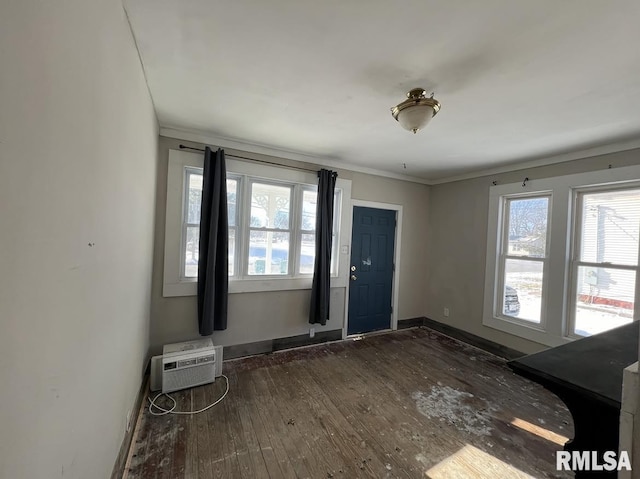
[
  {"x": 174, "y": 285},
  {"x": 560, "y": 224}
]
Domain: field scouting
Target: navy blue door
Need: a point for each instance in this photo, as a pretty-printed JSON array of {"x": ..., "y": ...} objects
[{"x": 371, "y": 273}]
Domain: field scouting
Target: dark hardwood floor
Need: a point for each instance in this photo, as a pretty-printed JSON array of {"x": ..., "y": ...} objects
[{"x": 411, "y": 403}]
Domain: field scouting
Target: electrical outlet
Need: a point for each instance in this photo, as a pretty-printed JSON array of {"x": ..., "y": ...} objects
[
  {"x": 312, "y": 332},
  {"x": 128, "y": 420},
  {"x": 446, "y": 312}
]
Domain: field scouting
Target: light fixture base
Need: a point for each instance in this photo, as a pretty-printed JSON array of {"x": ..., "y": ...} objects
[{"x": 423, "y": 108}]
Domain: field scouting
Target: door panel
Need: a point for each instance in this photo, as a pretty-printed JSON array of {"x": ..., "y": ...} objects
[{"x": 371, "y": 283}]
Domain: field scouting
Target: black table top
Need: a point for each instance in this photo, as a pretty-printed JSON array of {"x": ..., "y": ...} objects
[{"x": 592, "y": 366}]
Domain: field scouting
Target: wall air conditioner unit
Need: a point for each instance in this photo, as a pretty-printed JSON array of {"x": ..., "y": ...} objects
[{"x": 185, "y": 365}]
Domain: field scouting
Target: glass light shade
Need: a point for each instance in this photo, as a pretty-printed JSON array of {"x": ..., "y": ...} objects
[{"x": 415, "y": 117}]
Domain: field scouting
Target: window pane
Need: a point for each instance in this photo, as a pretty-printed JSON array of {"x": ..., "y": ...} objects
[
  {"x": 527, "y": 226},
  {"x": 232, "y": 251},
  {"x": 191, "y": 252},
  {"x": 523, "y": 289},
  {"x": 232, "y": 192},
  {"x": 307, "y": 253},
  {"x": 268, "y": 252},
  {"x": 309, "y": 200},
  {"x": 604, "y": 299},
  {"x": 337, "y": 210},
  {"x": 194, "y": 181},
  {"x": 194, "y": 199},
  {"x": 610, "y": 227},
  {"x": 270, "y": 206}
]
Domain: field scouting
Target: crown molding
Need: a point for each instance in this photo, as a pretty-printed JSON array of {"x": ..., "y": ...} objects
[
  {"x": 209, "y": 139},
  {"x": 551, "y": 160}
]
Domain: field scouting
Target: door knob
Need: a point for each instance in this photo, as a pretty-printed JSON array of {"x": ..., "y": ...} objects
[
  {"x": 353, "y": 277},
  {"x": 353, "y": 268}
]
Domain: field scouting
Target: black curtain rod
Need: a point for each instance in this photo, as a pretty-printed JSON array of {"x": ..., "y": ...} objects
[{"x": 184, "y": 147}]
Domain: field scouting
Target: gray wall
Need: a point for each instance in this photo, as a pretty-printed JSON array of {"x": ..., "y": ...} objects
[
  {"x": 457, "y": 244},
  {"x": 276, "y": 314},
  {"x": 78, "y": 139}
]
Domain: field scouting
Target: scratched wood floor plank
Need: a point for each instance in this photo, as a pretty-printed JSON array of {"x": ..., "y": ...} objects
[
  {"x": 167, "y": 453},
  {"x": 514, "y": 401},
  {"x": 413, "y": 403},
  {"x": 272, "y": 421},
  {"x": 204, "y": 454},
  {"x": 251, "y": 442},
  {"x": 493, "y": 410},
  {"x": 159, "y": 456},
  {"x": 224, "y": 461},
  {"x": 191, "y": 448},
  {"x": 340, "y": 433},
  {"x": 378, "y": 409},
  {"x": 300, "y": 427},
  {"x": 139, "y": 448},
  {"x": 235, "y": 443},
  {"x": 364, "y": 404},
  {"x": 297, "y": 451},
  {"x": 316, "y": 441},
  {"x": 149, "y": 466},
  {"x": 421, "y": 441},
  {"x": 178, "y": 427},
  {"x": 258, "y": 418}
]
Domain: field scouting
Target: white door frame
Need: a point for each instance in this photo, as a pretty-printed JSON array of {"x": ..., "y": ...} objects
[{"x": 396, "y": 259}]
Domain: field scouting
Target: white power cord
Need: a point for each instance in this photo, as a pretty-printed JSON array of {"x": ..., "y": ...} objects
[{"x": 163, "y": 411}]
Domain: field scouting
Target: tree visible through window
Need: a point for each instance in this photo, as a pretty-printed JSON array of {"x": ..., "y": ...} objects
[
  {"x": 553, "y": 277},
  {"x": 523, "y": 258},
  {"x": 273, "y": 234}
]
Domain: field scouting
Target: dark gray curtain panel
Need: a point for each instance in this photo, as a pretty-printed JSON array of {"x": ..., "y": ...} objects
[
  {"x": 213, "y": 263},
  {"x": 320, "y": 289}
]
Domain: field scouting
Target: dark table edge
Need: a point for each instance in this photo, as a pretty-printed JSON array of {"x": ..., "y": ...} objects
[{"x": 535, "y": 375}]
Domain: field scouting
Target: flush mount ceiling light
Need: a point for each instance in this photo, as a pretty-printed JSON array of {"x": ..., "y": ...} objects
[{"x": 416, "y": 111}]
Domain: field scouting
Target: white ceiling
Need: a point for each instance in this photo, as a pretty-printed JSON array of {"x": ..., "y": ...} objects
[{"x": 517, "y": 80}]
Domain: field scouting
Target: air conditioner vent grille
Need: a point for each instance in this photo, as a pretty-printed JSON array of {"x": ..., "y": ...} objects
[{"x": 176, "y": 379}]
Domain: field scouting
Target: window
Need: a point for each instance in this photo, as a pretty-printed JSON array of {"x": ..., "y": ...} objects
[
  {"x": 605, "y": 262},
  {"x": 523, "y": 257},
  {"x": 272, "y": 220},
  {"x": 269, "y": 229},
  {"x": 232, "y": 209},
  {"x": 270, "y": 226},
  {"x": 562, "y": 255},
  {"x": 308, "y": 231},
  {"x": 191, "y": 223}
]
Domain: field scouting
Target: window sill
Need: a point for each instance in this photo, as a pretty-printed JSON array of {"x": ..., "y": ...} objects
[
  {"x": 189, "y": 288},
  {"x": 531, "y": 332}
]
